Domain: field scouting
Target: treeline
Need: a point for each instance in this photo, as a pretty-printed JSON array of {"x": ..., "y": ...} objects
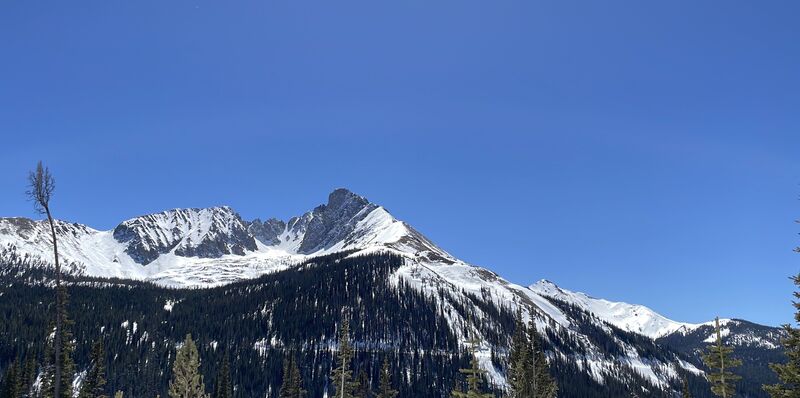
[
  {"x": 257, "y": 325},
  {"x": 530, "y": 374}
]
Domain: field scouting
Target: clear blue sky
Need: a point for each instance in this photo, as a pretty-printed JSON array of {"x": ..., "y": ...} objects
[{"x": 638, "y": 151}]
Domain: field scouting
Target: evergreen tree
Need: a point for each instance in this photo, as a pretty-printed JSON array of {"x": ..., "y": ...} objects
[
  {"x": 12, "y": 381},
  {"x": 386, "y": 390},
  {"x": 297, "y": 380},
  {"x": 541, "y": 382},
  {"x": 363, "y": 389},
  {"x": 187, "y": 382},
  {"x": 519, "y": 361},
  {"x": 342, "y": 375},
  {"x": 66, "y": 364},
  {"x": 286, "y": 385},
  {"x": 95, "y": 382},
  {"x": 223, "y": 387},
  {"x": 789, "y": 372},
  {"x": 474, "y": 375},
  {"x": 529, "y": 374},
  {"x": 292, "y": 386},
  {"x": 719, "y": 362},
  {"x": 29, "y": 376},
  {"x": 685, "y": 393}
]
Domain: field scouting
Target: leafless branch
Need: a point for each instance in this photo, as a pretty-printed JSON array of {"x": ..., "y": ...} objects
[{"x": 41, "y": 185}]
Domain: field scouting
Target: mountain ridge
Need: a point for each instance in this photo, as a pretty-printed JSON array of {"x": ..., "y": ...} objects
[{"x": 209, "y": 247}]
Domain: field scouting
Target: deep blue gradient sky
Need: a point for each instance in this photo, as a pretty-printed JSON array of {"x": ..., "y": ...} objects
[{"x": 638, "y": 151}]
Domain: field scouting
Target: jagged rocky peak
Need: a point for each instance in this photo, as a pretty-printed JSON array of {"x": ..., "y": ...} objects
[
  {"x": 318, "y": 229},
  {"x": 331, "y": 223},
  {"x": 207, "y": 233},
  {"x": 267, "y": 232}
]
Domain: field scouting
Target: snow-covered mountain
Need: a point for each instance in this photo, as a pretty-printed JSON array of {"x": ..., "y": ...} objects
[
  {"x": 215, "y": 246},
  {"x": 643, "y": 320},
  {"x": 631, "y": 317}
]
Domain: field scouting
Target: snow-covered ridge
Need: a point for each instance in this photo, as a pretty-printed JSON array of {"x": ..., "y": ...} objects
[
  {"x": 630, "y": 317},
  {"x": 204, "y": 233},
  {"x": 213, "y": 246}
]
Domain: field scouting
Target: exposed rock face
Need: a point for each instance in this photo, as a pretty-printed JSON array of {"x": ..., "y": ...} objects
[
  {"x": 205, "y": 233},
  {"x": 330, "y": 223},
  {"x": 267, "y": 232},
  {"x": 17, "y": 225},
  {"x": 39, "y": 231}
]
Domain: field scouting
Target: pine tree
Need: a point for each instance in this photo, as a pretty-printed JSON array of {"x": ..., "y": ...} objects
[
  {"x": 541, "y": 382},
  {"x": 342, "y": 375},
  {"x": 519, "y": 361},
  {"x": 223, "y": 387},
  {"x": 29, "y": 375},
  {"x": 789, "y": 372},
  {"x": 296, "y": 380},
  {"x": 363, "y": 389},
  {"x": 66, "y": 363},
  {"x": 95, "y": 382},
  {"x": 187, "y": 382},
  {"x": 12, "y": 381},
  {"x": 292, "y": 386},
  {"x": 719, "y": 362},
  {"x": 474, "y": 375},
  {"x": 685, "y": 393},
  {"x": 529, "y": 374},
  {"x": 386, "y": 390},
  {"x": 286, "y": 385}
]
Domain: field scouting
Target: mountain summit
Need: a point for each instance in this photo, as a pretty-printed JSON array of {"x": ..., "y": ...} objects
[
  {"x": 188, "y": 247},
  {"x": 608, "y": 342}
]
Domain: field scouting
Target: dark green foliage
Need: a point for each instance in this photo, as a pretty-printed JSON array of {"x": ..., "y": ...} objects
[
  {"x": 363, "y": 389},
  {"x": 11, "y": 386},
  {"x": 529, "y": 374},
  {"x": 223, "y": 387},
  {"x": 718, "y": 360},
  {"x": 685, "y": 393},
  {"x": 304, "y": 304},
  {"x": 789, "y": 373},
  {"x": 292, "y": 386},
  {"x": 572, "y": 382},
  {"x": 29, "y": 375},
  {"x": 474, "y": 376},
  {"x": 518, "y": 361},
  {"x": 299, "y": 308},
  {"x": 94, "y": 384},
  {"x": 755, "y": 358},
  {"x": 385, "y": 390},
  {"x": 342, "y": 374},
  {"x": 187, "y": 382},
  {"x": 541, "y": 383},
  {"x": 67, "y": 364}
]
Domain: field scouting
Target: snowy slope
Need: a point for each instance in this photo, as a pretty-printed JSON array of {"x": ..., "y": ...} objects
[
  {"x": 630, "y": 317},
  {"x": 214, "y": 246},
  {"x": 643, "y": 320}
]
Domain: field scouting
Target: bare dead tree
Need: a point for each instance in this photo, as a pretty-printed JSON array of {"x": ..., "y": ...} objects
[{"x": 41, "y": 186}]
